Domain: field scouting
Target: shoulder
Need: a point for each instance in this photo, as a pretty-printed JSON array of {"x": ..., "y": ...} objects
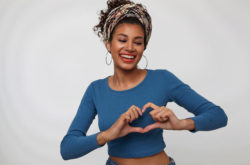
[
  {"x": 94, "y": 87},
  {"x": 163, "y": 73},
  {"x": 166, "y": 76},
  {"x": 98, "y": 83}
]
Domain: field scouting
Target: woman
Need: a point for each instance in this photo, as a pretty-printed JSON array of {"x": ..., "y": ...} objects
[{"x": 131, "y": 104}]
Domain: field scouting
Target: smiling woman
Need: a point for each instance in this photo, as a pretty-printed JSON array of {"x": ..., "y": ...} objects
[
  {"x": 131, "y": 103},
  {"x": 127, "y": 45}
]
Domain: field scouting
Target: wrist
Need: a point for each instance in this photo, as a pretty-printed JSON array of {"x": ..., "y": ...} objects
[
  {"x": 187, "y": 124},
  {"x": 102, "y": 138},
  {"x": 105, "y": 136}
]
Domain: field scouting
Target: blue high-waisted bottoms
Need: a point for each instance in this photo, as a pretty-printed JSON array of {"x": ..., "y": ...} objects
[{"x": 111, "y": 162}]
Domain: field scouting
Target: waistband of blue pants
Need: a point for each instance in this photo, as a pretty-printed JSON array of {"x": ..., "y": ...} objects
[{"x": 111, "y": 162}]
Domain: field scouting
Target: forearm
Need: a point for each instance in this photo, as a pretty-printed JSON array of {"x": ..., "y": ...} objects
[
  {"x": 74, "y": 146},
  {"x": 208, "y": 116},
  {"x": 213, "y": 119}
]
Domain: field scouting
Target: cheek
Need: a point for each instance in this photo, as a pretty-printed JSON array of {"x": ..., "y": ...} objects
[
  {"x": 140, "y": 50},
  {"x": 117, "y": 46}
]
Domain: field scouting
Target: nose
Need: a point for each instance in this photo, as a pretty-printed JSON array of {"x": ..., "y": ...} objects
[{"x": 130, "y": 46}]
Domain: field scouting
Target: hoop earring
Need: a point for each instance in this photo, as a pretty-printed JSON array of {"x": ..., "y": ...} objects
[
  {"x": 146, "y": 61},
  {"x": 107, "y": 57}
]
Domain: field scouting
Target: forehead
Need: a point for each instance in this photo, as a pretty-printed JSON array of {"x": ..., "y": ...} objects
[{"x": 130, "y": 30}]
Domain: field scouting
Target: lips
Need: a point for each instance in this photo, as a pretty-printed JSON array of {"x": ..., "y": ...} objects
[
  {"x": 129, "y": 54},
  {"x": 127, "y": 57}
]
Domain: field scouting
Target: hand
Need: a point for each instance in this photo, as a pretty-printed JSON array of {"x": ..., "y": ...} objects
[
  {"x": 164, "y": 117},
  {"x": 121, "y": 127}
]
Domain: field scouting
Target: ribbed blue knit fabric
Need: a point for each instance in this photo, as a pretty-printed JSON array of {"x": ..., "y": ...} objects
[{"x": 159, "y": 87}]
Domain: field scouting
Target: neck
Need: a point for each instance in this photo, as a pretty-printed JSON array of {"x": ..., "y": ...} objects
[{"x": 125, "y": 77}]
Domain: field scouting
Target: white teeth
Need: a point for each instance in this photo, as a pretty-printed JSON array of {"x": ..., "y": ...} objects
[{"x": 126, "y": 56}]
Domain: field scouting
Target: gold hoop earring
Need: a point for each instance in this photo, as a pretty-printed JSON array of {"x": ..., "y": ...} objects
[{"x": 107, "y": 58}]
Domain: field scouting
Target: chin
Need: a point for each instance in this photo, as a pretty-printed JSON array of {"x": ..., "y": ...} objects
[{"x": 128, "y": 67}]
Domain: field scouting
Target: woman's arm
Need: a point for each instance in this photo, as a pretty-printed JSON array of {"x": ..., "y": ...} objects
[
  {"x": 208, "y": 116},
  {"x": 75, "y": 143}
]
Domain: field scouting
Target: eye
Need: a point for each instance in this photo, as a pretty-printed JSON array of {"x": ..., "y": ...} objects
[
  {"x": 122, "y": 40},
  {"x": 138, "y": 43}
]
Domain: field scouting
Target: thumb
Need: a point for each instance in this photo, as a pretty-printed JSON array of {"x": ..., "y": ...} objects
[
  {"x": 136, "y": 129},
  {"x": 152, "y": 126}
]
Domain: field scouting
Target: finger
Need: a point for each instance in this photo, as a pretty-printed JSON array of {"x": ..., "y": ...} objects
[
  {"x": 126, "y": 116},
  {"x": 132, "y": 116},
  {"x": 149, "y": 104},
  {"x": 135, "y": 114},
  {"x": 155, "y": 111},
  {"x": 161, "y": 114},
  {"x": 163, "y": 118},
  {"x": 138, "y": 110},
  {"x": 152, "y": 126},
  {"x": 167, "y": 115}
]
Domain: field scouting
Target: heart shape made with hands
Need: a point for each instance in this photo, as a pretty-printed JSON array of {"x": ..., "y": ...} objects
[{"x": 164, "y": 118}]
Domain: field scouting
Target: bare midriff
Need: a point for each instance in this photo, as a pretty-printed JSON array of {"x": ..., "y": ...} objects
[{"x": 160, "y": 159}]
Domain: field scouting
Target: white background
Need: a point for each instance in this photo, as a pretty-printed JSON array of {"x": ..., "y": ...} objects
[{"x": 49, "y": 54}]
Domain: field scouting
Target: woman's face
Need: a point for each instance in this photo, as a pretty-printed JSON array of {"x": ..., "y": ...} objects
[{"x": 126, "y": 46}]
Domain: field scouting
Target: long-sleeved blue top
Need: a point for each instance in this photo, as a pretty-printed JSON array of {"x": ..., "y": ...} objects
[{"x": 159, "y": 87}]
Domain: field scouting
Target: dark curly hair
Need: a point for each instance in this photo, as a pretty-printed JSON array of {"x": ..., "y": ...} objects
[{"x": 111, "y": 4}]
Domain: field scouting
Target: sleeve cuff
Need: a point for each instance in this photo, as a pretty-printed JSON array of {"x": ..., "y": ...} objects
[
  {"x": 95, "y": 144},
  {"x": 195, "y": 123}
]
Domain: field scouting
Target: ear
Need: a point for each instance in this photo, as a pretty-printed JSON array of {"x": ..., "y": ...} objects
[{"x": 108, "y": 46}]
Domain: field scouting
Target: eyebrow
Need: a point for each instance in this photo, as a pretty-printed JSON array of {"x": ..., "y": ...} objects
[{"x": 138, "y": 37}]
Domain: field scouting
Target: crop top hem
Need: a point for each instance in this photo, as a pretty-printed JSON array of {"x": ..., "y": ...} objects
[{"x": 138, "y": 155}]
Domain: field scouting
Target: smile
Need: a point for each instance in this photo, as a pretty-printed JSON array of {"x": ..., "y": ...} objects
[{"x": 126, "y": 57}]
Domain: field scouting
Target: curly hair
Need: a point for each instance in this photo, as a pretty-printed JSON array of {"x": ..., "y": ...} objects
[{"x": 111, "y": 4}]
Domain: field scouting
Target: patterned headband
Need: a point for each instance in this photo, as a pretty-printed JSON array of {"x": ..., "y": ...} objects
[{"x": 127, "y": 10}]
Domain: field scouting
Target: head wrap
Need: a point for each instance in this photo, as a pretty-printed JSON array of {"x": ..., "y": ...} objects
[{"x": 127, "y": 10}]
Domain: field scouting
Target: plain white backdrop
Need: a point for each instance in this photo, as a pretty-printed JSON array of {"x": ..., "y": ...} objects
[{"x": 49, "y": 54}]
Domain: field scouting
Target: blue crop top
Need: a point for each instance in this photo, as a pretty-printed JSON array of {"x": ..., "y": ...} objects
[{"x": 159, "y": 87}]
